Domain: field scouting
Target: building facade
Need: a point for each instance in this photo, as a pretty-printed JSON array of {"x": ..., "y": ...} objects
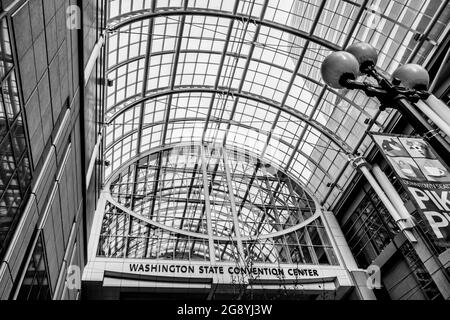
[{"x": 45, "y": 106}]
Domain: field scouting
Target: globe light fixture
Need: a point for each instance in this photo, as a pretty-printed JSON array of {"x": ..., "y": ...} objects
[
  {"x": 412, "y": 76},
  {"x": 339, "y": 67},
  {"x": 366, "y": 55},
  {"x": 406, "y": 92}
]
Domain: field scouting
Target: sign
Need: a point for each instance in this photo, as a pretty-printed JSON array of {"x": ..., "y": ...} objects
[
  {"x": 230, "y": 271},
  {"x": 146, "y": 272},
  {"x": 426, "y": 178}
]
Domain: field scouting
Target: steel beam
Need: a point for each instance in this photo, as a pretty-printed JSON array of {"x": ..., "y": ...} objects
[
  {"x": 212, "y": 253},
  {"x": 219, "y": 72},
  {"x": 324, "y": 130},
  {"x": 294, "y": 74},
  {"x": 224, "y": 15}
]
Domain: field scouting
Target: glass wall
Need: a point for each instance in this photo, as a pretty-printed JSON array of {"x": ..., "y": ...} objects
[
  {"x": 35, "y": 284},
  {"x": 370, "y": 229},
  {"x": 15, "y": 174},
  {"x": 425, "y": 283},
  {"x": 180, "y": 203}
]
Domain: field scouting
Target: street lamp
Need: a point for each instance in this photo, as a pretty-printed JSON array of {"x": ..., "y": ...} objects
[{"x": 406, "y": 92}]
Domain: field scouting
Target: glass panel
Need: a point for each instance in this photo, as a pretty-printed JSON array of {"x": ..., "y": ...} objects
[
  {"x": 168, "y": 188},
  {"x": 253, "y": 81},
  {"x": 35, "y": 285},
  {"x": 15, "y": 167}
]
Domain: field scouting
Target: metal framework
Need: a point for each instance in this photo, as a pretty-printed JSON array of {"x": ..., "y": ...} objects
[
  {"x": 188, "y": 202},
  {"x": 246, "y": 74}
]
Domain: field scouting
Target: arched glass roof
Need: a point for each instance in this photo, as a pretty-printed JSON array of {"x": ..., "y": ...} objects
[{"x": 246, "y": 74}]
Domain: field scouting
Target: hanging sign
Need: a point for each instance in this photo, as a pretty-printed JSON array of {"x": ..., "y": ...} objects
[{"x": 426, "y": 178}]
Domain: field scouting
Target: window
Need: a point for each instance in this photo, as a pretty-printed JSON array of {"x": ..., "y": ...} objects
[
  {"x": 35, "y": 284},
  {"x": 15, "y": 170}
]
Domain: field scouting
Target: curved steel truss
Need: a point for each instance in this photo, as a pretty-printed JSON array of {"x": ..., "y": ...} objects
[{"x": 246, "y": 74}]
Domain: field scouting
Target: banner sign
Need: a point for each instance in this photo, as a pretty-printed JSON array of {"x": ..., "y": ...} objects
[{"x": 426, "y": 178}]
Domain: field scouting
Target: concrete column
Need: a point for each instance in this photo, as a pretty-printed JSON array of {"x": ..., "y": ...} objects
[
  {"x": 392, "y": 193},
  {"x": 361, "y": 165},
  {"x": 339, "y": 240},
  {"x": 406, "y": 222},
  {"x": 439, "y": 107},
  {"x": 437, "y": 118},
  {"x": 358, "y": 276}
]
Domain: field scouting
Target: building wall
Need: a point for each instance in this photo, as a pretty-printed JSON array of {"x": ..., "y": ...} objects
[
  {"x": 49, "y": 237},
  {"x": 374, "y": 239}
]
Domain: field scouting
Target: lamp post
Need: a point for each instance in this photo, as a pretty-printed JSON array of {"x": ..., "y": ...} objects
[{"x": 406, "y": 92}]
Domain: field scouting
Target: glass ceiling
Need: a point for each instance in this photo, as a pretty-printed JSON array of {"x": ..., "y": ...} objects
[{"x": 246, "y": 74}]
